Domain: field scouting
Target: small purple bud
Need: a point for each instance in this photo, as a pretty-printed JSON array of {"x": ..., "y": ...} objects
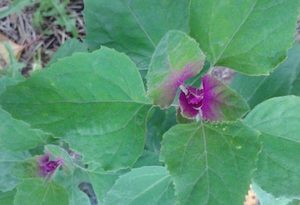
[
  {"x": 190, "y": 101},
  {"x": 213, "y": 101},
  {"x": 44, "y": 159},
  {"x": 201, "y": 102},
  {"x": 47, "y": 167}
]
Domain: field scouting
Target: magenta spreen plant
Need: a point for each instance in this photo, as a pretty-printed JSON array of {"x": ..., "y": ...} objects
[{"x": 109, "y": 139}]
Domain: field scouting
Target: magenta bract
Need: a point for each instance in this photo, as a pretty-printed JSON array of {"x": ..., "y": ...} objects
[
  {"x": 191, "y": 101},
  {"x": 201, "y": 102},
  {"x": 47, "y": 167}
]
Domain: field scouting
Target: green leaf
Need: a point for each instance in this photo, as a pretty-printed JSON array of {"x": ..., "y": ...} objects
[
  {"x": 278, "y": 119},
  {"x": 177, "y": 58},
  {"x": 10, "y": 75},
  {"x": 70, "y": 47},
  {"x": 158, "y": 122},
  {"x": 6, "y": 81},
  {"x": 78, "y": 197},
  {"x": 29, "y": 168},
  {"x": 7, "y": 198},
  {"x": 210, "y": 164},
  {"x": 146, "y": 185},
  {"x": 8, "y": 163},
  {"x": 133, "y": 26},
  {"x": 284, "y": 80},
  {"x": 267, "y": 199},
  {"x": 102, "y": 182},
  {"x": 39, "y": 192},
  {"x": 295, "y": 202},
  {"x": 71, "y": 184},
  {"x": 16, "y": 135},
  {"x": 148, "y": 158},
  {"x": 95, "y": 101},
  {"x": 296, "y": 85},
  {"x": 61, "y": 16},
  {"x": 250, "y": 36}
]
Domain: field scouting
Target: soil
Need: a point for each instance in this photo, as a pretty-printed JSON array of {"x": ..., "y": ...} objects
[{"x": 19, "y": 28}]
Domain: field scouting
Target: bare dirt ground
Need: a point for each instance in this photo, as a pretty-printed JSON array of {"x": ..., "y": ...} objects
[{"x": 36, "y": 42}]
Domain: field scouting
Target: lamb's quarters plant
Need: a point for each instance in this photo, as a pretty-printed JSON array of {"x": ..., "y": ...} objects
[{"x": 92, "y": 129}]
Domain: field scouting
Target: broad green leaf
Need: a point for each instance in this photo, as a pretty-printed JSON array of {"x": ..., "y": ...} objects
[
  {"x": 146, "y": 185},
  {"x": 70, "y": 47},
  {"x": 210, "y": 164},
  {"x": 133, "y": 26},
  {"x": 39, "y": 192},
  {"x": 7, "y": 198},
  {"x": 9, "y": 77},
  {"x": 250, "y": 36},
  {"x": 283, "y": 81},
  {"x": 29, "y": 168},
  {"x": 78, "y": 197},
  {"x": 102, "y": 182},
  {"x": 295, "y": 202},
  {"x": 158, "y": 122},
  {"x": 148, "y": 158},
  {"x": 6, "y": 81},
  {"x": 177, "y": 58},
  {"x": 95, "y": 101},
  {"x": 71, "y": 183},
  {"x": 296, "y": 85},
  {"x": 8, "y": 163},
  {"x": 267, "y": 199},
  {"x": 278, "y": 119},
  {"x": 16, "y": 135}
]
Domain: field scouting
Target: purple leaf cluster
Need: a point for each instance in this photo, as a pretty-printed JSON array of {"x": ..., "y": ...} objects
[{"x": 201, "y": 103}]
